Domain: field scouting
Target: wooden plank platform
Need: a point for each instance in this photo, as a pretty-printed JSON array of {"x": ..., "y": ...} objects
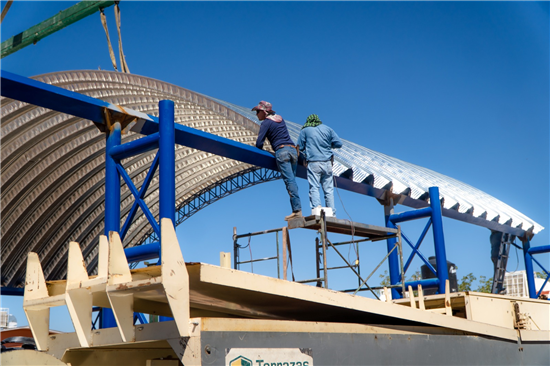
[{"x": 341, "y": 226}]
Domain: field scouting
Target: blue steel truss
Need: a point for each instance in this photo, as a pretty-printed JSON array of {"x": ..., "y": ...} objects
[
  {"x": 218, "y": 190},
  {"x": 223, "y": 188}
]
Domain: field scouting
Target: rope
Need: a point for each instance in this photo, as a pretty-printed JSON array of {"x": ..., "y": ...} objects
[
  {"x": 123, "y": 64},
  {"x": 5, "y": 10},
  {"x": 111, "y": 52},
  {"x": 354, "y": 244},
  {"x": 250, "y": 249}
]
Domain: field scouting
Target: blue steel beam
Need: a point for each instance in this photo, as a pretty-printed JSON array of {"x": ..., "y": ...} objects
[
  {"x": 59, "y": 99},
  {"x": 426, "y": 283},
  {"x": 541, "y": 249},
  {"x": 65, "y": 101},
  {"x": 411, "y": 215},
  {"x": 135, "y": 147},
  {"x": 142, "y": 252},
  {"x": 210, "y": 143},
  {"x": 12, "y": 291}
]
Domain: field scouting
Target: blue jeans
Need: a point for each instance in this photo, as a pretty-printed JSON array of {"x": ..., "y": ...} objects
[
  {"x": 287, "y": 161},
  {"x": 320, "y": 173}
]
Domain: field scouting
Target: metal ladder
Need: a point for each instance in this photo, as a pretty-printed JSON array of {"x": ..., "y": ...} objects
[{"x": 502, "y": 261}]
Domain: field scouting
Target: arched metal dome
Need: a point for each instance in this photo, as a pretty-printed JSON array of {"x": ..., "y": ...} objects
[{"x": 52, "y": 179}]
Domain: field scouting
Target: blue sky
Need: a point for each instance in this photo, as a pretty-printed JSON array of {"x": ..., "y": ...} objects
[{"x": 461, "y": 88}]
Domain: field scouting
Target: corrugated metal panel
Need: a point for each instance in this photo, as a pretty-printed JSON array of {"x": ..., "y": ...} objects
[
  {"x": 53, "y": 169},
  {"x": 385, "y": 169}
]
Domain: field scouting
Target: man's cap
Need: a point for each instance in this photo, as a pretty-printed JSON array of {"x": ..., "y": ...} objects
[{"x": 263, "y": 106}]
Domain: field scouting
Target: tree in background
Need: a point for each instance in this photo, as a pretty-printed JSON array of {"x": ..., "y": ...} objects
[
  {"x": 466, "y": 282},
  {"x": 385, "y": 278},
  {"x": 485, "y": 285}
]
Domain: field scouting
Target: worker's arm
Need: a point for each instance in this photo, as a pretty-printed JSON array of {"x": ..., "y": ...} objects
[
  {"x": 302, "y": 144},
  {"x": 261, "y": 135},
  {"x": 336, "y": 142}
]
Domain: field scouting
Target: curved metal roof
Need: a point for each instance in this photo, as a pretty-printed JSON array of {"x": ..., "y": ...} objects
[{"x": 52, "y": 179}]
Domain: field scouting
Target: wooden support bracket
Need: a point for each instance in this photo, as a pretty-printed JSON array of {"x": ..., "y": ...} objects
[
  {"x": 115, "y": 286},
  {"x": 35, "y": 289},
  {"x": 175, "y": 278}
]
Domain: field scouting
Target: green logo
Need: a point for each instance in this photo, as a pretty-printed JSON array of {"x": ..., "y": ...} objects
[{"x": 240, "y": 361}]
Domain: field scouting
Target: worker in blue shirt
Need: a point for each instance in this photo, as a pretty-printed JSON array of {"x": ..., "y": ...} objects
[
  {"x": 316, "y": 142},
  {"x": 273, "y": 128}
]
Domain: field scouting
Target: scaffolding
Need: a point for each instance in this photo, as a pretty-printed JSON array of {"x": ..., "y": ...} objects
[
  {"x": 237, "y": 247},
  {"x": 323, "y": 225}
]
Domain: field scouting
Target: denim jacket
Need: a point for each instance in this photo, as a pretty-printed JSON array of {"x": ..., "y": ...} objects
[{"x": 316, "y": 143}]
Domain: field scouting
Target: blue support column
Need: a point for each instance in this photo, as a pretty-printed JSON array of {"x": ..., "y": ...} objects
[
  {"x": 529, "y": 271},
  {"x": 112, "y": 182},
  {"x": 393, "y": 259},
  {"x": 439, "y": 240},
  {"x": 167, "y": 167},
  {"x": 112, "y": 204},
  {"x": 167, "y": 164}
]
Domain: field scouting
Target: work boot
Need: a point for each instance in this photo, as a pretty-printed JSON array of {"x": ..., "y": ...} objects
[{"x": 294, "y": 215}]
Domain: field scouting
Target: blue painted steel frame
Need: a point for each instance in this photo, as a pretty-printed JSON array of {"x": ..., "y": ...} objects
[
  {"x": 393, "y": 260},
  {"x": 112, "y": 182},
  {"x": 62, "y": 100},
  {"x": 141, "y": 195},
  {"x": 163, "y": 140},
  {"x": 12, "y": 291},
  {"x": 529, "y": 269},
  {"x": 112, "y": 204},
  {"x": 416, "y": 247},
  {"x": 528, "y": 260},
  {"x": 138, "y": 199},
  {"x": 435, "y": 216},
  {"x": 439, "y": 238},
  {"x": 142, "y": 252},
  {"x": 167, "y": 166}
]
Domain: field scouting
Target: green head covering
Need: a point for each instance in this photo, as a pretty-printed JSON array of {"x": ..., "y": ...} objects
[{"x": 312, "y": 121}]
